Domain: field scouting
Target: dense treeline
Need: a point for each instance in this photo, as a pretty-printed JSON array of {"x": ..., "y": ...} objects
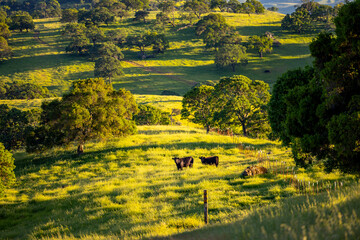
[{"x": 316, "y": 110}]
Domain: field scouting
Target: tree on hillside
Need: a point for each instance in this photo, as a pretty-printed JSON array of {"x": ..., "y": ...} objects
[
  {"x": 108, "y": 61},
  {"x": 242, "y": 102},
  {"x": 198, "y": 106},
  {"x": 231, "y": 55},
  {"x": 135, "y": 4},
  {"x": 322, "y": 116},
  {"x": 168, "y": 10},
  {"x": 69, "y": 15},
  {"x": 117, "y": 36},
  {"x": 7, "y": 175},
  {"x": 141, "y": 15},
  {"x": 95, "y": 34},
  {"x": 76, "y": 34},
  {"x": 91, "y": 110},
  {"x": 197, "y": 7},
  {"x": 262, "y": 44},
  {"x": 158, "y": 42},
  {"x": 213, "y": 29},
  {"x": 221, "y": 4},
  {"x": 21, "y": 21}
]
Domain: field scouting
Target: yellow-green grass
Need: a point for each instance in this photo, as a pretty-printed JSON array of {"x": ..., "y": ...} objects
[
  {"x": 130, "y": 188},
  {"x": 166, "y": 103},
  {"x": 185, "y": 63}
]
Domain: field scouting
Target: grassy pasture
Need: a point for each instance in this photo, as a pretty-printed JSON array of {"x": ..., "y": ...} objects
[
  {"x": 129, "y": 188},
  {"x": 39, "y": 57}
]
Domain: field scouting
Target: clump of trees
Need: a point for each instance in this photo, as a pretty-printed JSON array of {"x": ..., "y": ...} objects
[
  {"x": 37, "y": 9},
  {"x": 5, "y": 50},
  {"x": 17, "y": 90},
  {"x": 91, "y": 110},
  {"x": 235, "y": 102},
  {"x": 308, "y": 16},
  {"x": 316, "y": 110}
]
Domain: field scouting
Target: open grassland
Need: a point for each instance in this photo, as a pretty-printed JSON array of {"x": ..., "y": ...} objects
[
  {"x": 39, "y": 56},
  {"x": 130, "y": 188}
]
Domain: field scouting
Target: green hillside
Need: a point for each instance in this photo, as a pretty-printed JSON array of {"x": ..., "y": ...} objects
[
  {"x": 40, "y": 57},
  {"x": 130, "y": 188}
]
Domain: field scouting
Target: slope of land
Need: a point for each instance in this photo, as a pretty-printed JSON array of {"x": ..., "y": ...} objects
[
  {"x": 130, "y": 188},
  {"x": 40, "y": 57}
]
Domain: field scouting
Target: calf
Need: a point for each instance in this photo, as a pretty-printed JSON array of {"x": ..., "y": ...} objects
[
  {"x": 183, "y": 162},
  {"x": 210, "y": 160},
  {"x": 251, "y": 171}
]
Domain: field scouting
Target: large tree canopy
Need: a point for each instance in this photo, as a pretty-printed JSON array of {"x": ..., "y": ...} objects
[
  {"x": 321, "y": 107},
  {"x": 92, "y": 110},
  {"x": 241, "y": 101}
]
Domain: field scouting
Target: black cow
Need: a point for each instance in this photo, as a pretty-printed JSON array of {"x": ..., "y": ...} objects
[
  {"x": 210, "y": 160},
  {"x": 183, "y": 162}
]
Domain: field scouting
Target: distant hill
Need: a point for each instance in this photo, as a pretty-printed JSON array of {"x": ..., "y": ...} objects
[{"x": 288, "y": 6}]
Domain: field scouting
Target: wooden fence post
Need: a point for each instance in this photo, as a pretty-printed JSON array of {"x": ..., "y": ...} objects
[{"x": 205, "y": 207}]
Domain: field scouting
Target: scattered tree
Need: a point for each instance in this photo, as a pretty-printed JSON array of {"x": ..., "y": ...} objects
[
  {"x": 21, "y": 21},
  {"x": 141, "y": 15},
  {"x": 242, "y": 102},
  {"x": 198, "y": 106},
  {"x": 231, "y": 55},
  {"x": 108, "y": 62},
  {"x": 262, "y": 44},
  {"x": 197, "y": 7}
]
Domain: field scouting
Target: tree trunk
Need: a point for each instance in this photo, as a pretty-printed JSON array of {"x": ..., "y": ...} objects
[
  {"x": 80, "y": 149},
  {"x": 233, "y": 67},
  {"x": 244, "y": 129},
  {"x": 207, "y": 129},
  {"x": 260, "y": 54}
]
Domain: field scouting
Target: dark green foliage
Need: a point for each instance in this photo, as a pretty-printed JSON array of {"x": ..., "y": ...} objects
[
  {"x": 76, "y": 34},
  {"x": 273, "y": 9},
  {"x": 158, "y": 42},
  {"x": 308, "y": 16},
  {"x": 69, "y": 15},
  {"x": 7, "y": 176},
  {"x": 135, "y": 4},
  {"x": 249, "y": 6},
  {"x": 108, "y": 61},
  {"x": 5, "y": 50},
  {"x": 149, "y": 115},
  {"x": 92, "y": 110},
  {"x": 21, "y": 21},
  {"x": 117, "y": 36},
  {"x": 4, "y": 30},
  {"x": 215, "y": 32},
  {"x": 198, "y": 106},
  {"x": 320, "y": 113},
  {"x": 15, "y": 125},
  {"x": 47, "y": 9},
  {"x": 197, "y": 7},
  {"x": 17, "y": 90},
  {"x": 141, "y": 15},
  {"x": 221, "y": 4},
  {"x": 231, "y": 55}
]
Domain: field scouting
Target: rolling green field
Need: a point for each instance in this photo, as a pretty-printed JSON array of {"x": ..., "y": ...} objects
[
  {"x": 39, "y": 57},
  {"x": 130, "y": 188}
]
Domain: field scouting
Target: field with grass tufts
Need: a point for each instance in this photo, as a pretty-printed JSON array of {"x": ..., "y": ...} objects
[{"x": 130, "y": 188}]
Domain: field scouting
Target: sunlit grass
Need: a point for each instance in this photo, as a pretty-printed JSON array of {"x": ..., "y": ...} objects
[{"x": 130, "y": 188}]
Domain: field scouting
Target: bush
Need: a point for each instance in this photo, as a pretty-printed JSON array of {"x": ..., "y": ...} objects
[
  {"x": 6, "y": 169},
  {"x": 17, "y": 90},
  {"x": 150, "y": 115}
]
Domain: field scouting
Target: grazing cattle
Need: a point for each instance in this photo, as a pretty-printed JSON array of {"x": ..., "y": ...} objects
[
  {"x": 183, "y": 162},
  {"x": 251, "y": 171},
  {"x": 210, "y": 160}
]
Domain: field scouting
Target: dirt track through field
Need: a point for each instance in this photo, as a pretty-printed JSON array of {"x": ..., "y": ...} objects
[{"x": 148, "y": 69}]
